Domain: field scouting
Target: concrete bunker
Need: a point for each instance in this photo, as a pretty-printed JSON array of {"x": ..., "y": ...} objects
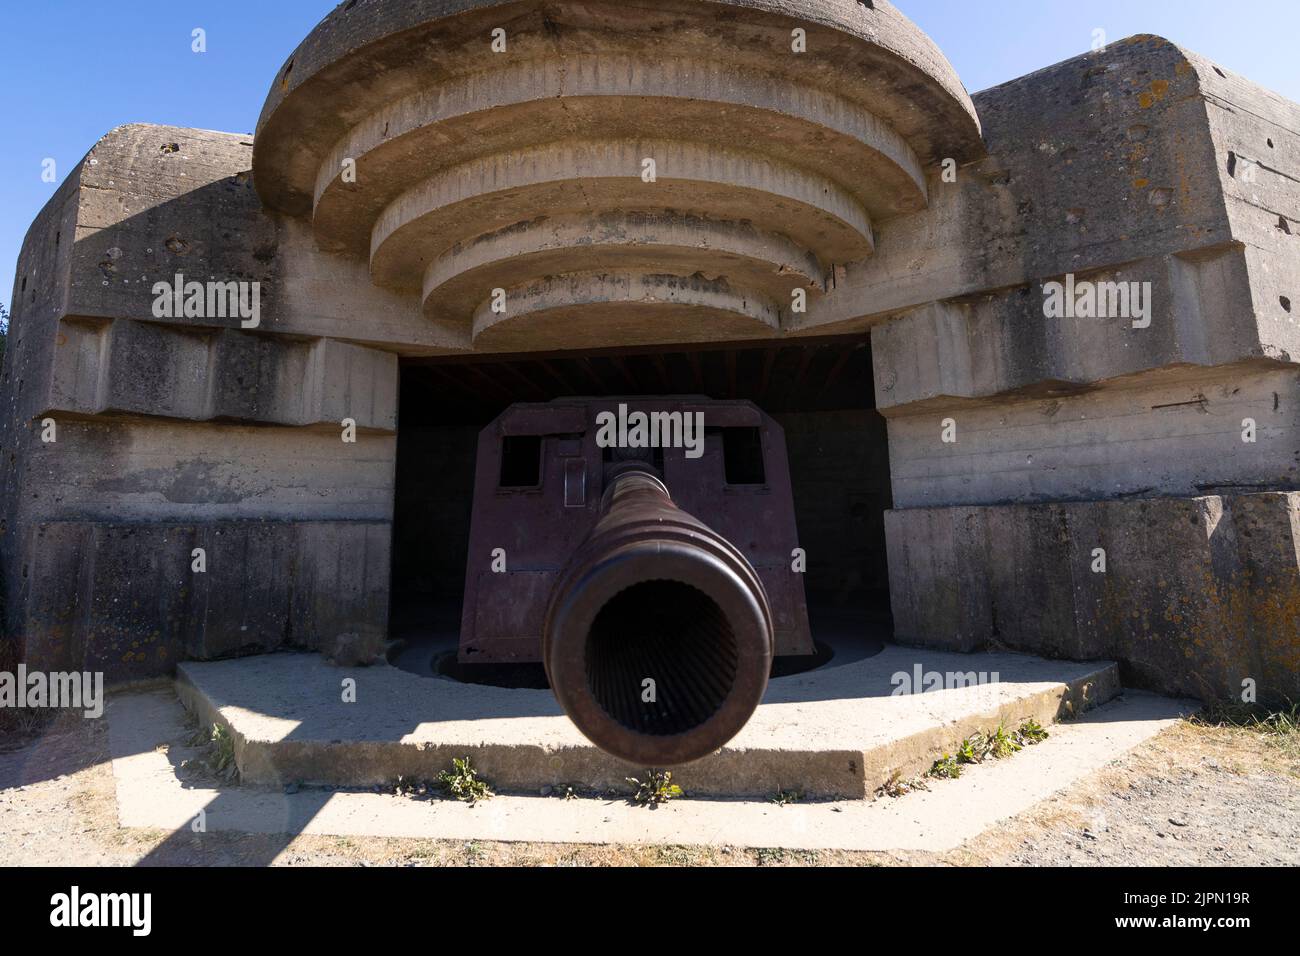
[{"x": 449, "y": 211}]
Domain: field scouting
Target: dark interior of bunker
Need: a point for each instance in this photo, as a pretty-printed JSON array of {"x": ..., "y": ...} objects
[{"x": 820, "y": 391}]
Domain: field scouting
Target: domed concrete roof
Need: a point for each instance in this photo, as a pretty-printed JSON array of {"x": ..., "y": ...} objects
[{"x": 578, "y": 173}]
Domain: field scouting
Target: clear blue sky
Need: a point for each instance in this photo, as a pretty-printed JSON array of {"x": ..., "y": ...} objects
[{"x": 74, "y": 69}]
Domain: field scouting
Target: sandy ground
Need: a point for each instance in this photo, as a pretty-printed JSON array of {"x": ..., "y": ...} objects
[{"x": 1193, "y": 795}]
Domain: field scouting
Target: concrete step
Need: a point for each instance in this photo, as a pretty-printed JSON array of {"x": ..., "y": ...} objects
[
  {"x": 840, "y": 731},
  {"x": 152, "y": 795}
]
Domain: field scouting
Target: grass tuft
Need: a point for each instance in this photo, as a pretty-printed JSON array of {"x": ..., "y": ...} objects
[
  {"x": 896, "y": 786},
  {"x": 462, "y": 782},
  {"x": 985, "y": 745},
  {"x": 1280, "y": 727},
  {"x": 657, "y": 788}
]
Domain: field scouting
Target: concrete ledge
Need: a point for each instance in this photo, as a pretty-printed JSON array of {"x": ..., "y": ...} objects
[
  {"x": 146, "y": 369},
  {"x": 835, "y": 732},
  {"x": 149, "y": 794}
]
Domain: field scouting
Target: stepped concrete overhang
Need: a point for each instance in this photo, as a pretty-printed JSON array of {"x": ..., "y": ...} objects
[{"x": 609, "y": 173}]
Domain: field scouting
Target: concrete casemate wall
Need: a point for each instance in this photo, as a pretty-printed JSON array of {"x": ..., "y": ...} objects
[
  {"x": 1112, "y": 488},
  {"x": 1117, "y": 484}
]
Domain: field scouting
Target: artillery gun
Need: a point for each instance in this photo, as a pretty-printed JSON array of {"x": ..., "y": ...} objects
[{"x": 650, "y": 568}]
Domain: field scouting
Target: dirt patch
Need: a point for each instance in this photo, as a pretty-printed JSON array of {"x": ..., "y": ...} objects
[{"x": 1194, "y": 795}]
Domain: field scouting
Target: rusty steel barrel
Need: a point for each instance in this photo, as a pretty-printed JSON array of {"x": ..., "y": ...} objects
[{"x": 658, "y": 640}]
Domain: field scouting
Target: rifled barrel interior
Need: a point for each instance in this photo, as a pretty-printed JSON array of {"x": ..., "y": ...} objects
[{"x": 659, "y": 632}]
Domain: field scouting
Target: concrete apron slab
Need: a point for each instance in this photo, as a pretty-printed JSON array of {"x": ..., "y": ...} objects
[
  {"x": 835, "y": 732},
  {"x": 149, "y": 795}
]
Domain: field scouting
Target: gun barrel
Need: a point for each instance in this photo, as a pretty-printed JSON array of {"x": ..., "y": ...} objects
[{"x": 658, "y": 640}]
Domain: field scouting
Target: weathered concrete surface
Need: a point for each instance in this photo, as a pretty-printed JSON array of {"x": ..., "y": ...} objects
[
  {"x": 833, "y": 732},
  {"x": 136, "y": 212},
  {"x": 1174, "y": 433},
  {"x": 1197, "y": 596},
  {"x": 1168, "y": 172},
  {"x": 520, "y": 104},
  {"x": 138, "y": 368},
  {"x": 1001, "y": 346},
  {"x": 184, "y": 433},
  {"x": 149, "y": 794},
  {"x": 408, "y": 136},
  {"x": 1094, "y": 163},
  {"x": 873, "y": 55},
  {"x": 139, "y": 608}
]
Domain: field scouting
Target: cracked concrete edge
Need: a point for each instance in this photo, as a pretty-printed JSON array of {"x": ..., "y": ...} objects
[{"x": 250, "y": 758}]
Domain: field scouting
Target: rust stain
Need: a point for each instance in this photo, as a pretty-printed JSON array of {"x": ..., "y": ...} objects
[{"x": 1149, "y": 98}]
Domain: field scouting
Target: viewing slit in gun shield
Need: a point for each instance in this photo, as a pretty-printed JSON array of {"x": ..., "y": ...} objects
[{"x": 655, "y": 595}]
